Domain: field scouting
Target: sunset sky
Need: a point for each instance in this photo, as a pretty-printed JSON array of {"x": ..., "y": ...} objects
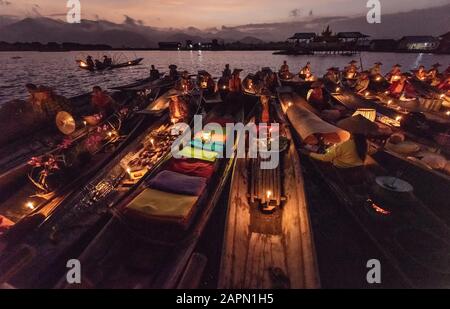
[{"x": 207, "y": 13}]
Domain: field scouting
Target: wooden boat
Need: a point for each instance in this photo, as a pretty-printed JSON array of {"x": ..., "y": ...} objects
[
  {"x": 430, "y": 184},
  {"x": 69, "y": 229},
  {"x": 412, "y": 238},
  {"x": 165, "y": 238},
  {"x": 29, "y": 189},
  {"x": 268, "y": 250},
  {"x": 83, "y": 65},
  {"x": 147, "y": 84}
]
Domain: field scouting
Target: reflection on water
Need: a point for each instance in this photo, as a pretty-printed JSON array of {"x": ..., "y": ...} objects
[{"x": 60, "y": 71}]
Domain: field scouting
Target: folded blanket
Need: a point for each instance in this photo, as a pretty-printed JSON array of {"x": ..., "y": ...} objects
[
  {"x": 169, "y": 181},
  {"x": 191, "y": 167},
  {"x": 154, "y": 203},
  {"x": 216, "y": 147},
  {"x": 195, "y": 153}
]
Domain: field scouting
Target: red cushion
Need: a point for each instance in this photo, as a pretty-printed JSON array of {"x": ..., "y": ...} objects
[{"x": 191, "y": 167}]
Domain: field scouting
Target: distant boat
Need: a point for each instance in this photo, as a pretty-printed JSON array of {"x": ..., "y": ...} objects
[
  {"x": 83, "y": 65},
  {"x": 16, "y": 57}
]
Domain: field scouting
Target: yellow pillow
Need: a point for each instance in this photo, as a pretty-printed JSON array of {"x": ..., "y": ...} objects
[
  {"x": 199, "y": 154},
  {"x": 154, "y": 203}
]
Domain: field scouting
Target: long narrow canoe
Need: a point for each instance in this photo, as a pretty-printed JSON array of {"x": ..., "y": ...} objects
[
  {"x": 266, "y": 251},
  {"x": 68, "y": 229}
]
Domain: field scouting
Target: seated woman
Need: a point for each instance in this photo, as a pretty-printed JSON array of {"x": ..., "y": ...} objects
[
  {"x": 264, "y": 110},
  {"x": 351, "y": 71},
  {"x": 352, "y": 153},
  {"x": 421, "y": 74},
  {"x": 363, "y": 82},
  {"x": 403, "y": 88},
  {"x": 395, "y": 74},
  {"x": 178, "y": 107},
  {"x": 316, "y": 96}
]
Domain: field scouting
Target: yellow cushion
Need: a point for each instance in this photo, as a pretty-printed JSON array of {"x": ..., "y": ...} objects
[
  {"x": 154, "y": 203},
  {"x": 199, "y": 154}
]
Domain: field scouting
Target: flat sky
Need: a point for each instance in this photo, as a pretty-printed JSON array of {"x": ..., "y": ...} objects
[{"x": 207, "y": 13}]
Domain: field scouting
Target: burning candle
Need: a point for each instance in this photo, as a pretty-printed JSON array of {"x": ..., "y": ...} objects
[
  {"x": 338, "y": 89},
  {"x": 387, "y": 92},
  {"x": 269, "y": 194},
  {"x": 206, "y": 137},
  {"x": 448, "y": 113},
  {"x": 30, "y": 205},
  {"x": 378, "y": 78},
  {"x": 389, "y": 102},
  {"x": 367, "y": 93},
  {"x": 152, "y": 141},
  {"x": 399, "y": 118},
  {"x": 442, "y": 96}
]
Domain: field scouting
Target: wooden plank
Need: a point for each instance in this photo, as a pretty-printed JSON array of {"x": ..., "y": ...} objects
[
  {"x": 193, "y": 273},
  {"x": 237, "y": 231},
  {"x": 265, "y": 253}
]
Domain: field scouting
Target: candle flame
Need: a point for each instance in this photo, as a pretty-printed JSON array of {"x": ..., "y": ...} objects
[
  {"x": 269, "y": 194},
  {"x": 30, "y": 205}
]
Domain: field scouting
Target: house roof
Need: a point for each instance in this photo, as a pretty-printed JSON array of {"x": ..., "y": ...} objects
[
  {"x": 303, "y": 36},
  {"x": 418, "y": 39},
  {"x": 351, "y": 35}
]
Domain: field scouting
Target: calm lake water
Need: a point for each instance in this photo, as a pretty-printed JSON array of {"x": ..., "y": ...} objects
[{"x": 59, "y": 70}]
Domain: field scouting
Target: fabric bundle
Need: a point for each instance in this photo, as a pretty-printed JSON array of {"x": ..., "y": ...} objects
[
  {"x": 195, "y": 153},
  {"x": 169, "y": 181},
  {"x": 191, "y": 167}
]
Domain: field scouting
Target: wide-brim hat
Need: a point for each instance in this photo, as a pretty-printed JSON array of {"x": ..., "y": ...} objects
[
  {"x": 397, "y": 65},
  {"x": 407, "y": 74},
  {"x": 358, "y": 125},
  {"x": 436, "y": 65},
  {"x": 353, "y": 62},
  {"x": 237, "y": 71},
  {"x": 379, "y": 63},
  {"x": 173, "y": 67}
]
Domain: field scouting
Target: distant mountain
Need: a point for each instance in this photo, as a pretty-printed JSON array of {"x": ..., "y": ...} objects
[{"x": 131, "y": 33}]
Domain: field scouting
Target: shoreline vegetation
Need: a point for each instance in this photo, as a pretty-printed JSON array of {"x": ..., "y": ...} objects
[{"x": 280, "y": 48}]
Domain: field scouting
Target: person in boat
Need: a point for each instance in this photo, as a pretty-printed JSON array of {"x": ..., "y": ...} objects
[
  {"x": 178, "y": 107},
  {"x": 403, "y": 87},
  {"x": 284, "y": 67},
  {"x": 235, "y": 82},
  {"x": 375, "y": 71},
  {"x": 433, "y": 75},
  {"x": 90, "y": 61},
  {"x": 316, "y": 96},
  {"x": 269, "y": 79},
  {"x": 184, "y": 84},
  {"x": 363, "y": 82},
  {"x": 332, "y": 76},
  {"x": 154, "y": 73},
  {"x": 173, "y": 72},
  {"x": 227, "y": 72},
  {"x": 206, "y": 82},
  {"x": 421, "y": 74},
  {"x": 264, "y": 110},
  {"x": 47, "y": 102},
  {"x": 351, "y": 71},
  {"x": 395, "y": 74},
  {"x": 306, "y": 72},
  {"x": 352, "y": 153},
  {"x": 107, "y": 61},
  {"x": 103, "y": 104}
]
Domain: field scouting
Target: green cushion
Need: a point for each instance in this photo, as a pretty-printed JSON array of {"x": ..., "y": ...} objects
[
  {"x": 199, "y": 154},
  {"x": 155, "y": 203}
]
